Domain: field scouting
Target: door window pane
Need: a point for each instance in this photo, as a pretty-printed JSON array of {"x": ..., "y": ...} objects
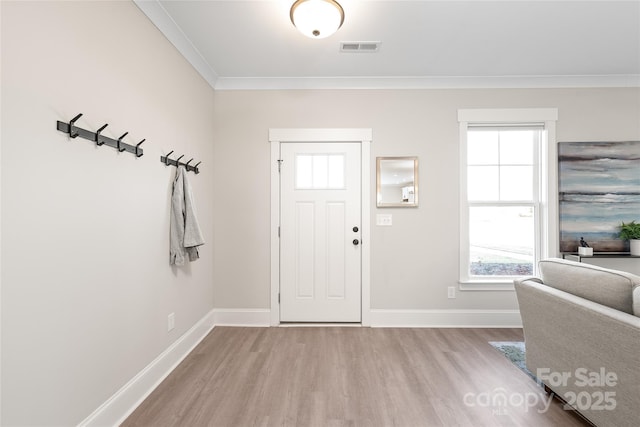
[
  {"x": 336, "y": 171},
  {"x": 304, "y": 169},
  {"x": 320, "y": 171}
]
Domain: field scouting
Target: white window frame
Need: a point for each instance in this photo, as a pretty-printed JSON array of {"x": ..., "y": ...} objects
[{"x": 546, "y": 215}]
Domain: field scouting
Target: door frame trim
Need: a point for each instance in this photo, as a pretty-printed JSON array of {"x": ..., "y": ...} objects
[{"x": 362, "y": 136}]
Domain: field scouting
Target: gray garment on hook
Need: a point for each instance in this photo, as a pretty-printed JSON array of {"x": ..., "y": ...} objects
[{"x": 185, "y": 235}]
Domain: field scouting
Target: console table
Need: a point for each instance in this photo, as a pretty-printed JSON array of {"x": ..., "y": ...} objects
[
  {"x": 616, "y": 260},
  {"x": 575, "y": 256}
]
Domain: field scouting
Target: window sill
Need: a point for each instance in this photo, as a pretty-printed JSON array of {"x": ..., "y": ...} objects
[{"x": 490, "y": 285}]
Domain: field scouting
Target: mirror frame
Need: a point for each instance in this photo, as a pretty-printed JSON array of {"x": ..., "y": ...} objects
[{"x": 381, "y": 204}]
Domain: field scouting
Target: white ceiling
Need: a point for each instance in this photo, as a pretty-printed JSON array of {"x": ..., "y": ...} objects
[{"x": 245, "y": 44}]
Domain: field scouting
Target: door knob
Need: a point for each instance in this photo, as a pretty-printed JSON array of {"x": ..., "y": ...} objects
[
  {"x": 356, "y": 242},
  {"x": 355, "y": 229}
]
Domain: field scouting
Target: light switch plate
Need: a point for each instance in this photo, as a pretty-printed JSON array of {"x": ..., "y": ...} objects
[{"x": 384, "y": 219}]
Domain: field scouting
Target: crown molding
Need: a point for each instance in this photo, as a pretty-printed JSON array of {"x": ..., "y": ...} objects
[
  {"x": 159, "y": 16},
  {"x": 436, "y": 82}
]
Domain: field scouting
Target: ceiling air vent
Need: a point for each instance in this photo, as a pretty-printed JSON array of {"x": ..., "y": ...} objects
[{"x": 359, "y": 47}]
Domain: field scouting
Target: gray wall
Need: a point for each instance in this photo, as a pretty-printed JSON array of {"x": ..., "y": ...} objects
[
  {"x": 415, "y": 260},
  {"x": 86, "y": 285},
  {"x": 86, "y": 282}
]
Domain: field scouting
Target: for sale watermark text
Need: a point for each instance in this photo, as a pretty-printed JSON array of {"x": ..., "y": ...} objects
[
  {"x": 588, "y": 390},
  {"x": 583, "y": 383}
]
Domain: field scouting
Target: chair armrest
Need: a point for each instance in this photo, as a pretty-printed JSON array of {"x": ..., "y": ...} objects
[{"x": 527, "y": 278}]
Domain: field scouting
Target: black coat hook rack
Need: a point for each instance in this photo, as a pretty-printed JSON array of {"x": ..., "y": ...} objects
[
  {"x": 99, "y": 139},
  {"x": 176, "y": 162}
]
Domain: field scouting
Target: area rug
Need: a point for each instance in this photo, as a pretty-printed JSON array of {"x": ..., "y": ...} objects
[{"x": 514, "y": 351}]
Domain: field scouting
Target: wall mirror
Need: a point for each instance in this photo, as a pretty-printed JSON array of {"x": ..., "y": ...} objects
[{"x": 397, "y": 181}]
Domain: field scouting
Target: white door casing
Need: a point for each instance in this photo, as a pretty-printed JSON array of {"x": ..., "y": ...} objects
[
  {"x": 277, "y": 138},
  {"x": 320, "y": 232}
]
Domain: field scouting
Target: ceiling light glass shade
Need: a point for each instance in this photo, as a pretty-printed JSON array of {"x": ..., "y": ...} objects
[{"x": 317, "y": 18}]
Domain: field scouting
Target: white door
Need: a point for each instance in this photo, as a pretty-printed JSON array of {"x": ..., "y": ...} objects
[{"x": 320, "y": 251}]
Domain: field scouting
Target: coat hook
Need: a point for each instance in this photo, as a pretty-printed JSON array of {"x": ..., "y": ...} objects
[
  {"x": 72, "y": 127},
  {"x": 166, "y": 158},
  {"x": 178, "y": 160},
  {"x": 186, "y": 165},
  {"x": 195, "y": 168},
  {"x": 140, "y": 154},
  {"x": 98, "y": 134},
  {"x": 120, "y": 140}
]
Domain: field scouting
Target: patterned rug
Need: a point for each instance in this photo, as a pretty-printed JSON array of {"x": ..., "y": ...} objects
[{"x": 515, "y": 352}]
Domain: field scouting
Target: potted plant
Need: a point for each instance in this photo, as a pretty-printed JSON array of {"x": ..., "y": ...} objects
[{"x": 631, "y": 232}]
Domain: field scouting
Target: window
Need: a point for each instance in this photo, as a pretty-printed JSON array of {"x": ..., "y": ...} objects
[
  {"x": 502, "y": 200},
  {"x": 503, "y": 188}
]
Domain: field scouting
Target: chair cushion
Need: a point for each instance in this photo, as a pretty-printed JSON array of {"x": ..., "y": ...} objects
[{"x": 613, "y": 288}]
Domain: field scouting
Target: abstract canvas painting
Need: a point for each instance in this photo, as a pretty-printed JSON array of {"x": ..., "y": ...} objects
[{"x": 599, "y": 186}]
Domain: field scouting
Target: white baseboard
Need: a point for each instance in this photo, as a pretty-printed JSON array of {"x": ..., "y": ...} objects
[
  {"x": 390, "y": 318},
  {"x": 445, "y": 318},
  {"x": 242, "y": 317},
  {"x": 119, "y": 406},
  {"x": 472, "y": 318}
]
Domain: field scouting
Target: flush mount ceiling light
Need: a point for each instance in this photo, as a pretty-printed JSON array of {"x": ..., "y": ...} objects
[{"x": 317, "y": 18}]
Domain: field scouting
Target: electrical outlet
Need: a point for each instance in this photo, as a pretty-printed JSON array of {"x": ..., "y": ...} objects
[
  {"x": 171, "y": 322},
  {"x": 452, "y": 291}
]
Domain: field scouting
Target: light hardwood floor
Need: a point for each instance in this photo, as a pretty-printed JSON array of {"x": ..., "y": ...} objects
[{"x": 341, "y": 376}]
